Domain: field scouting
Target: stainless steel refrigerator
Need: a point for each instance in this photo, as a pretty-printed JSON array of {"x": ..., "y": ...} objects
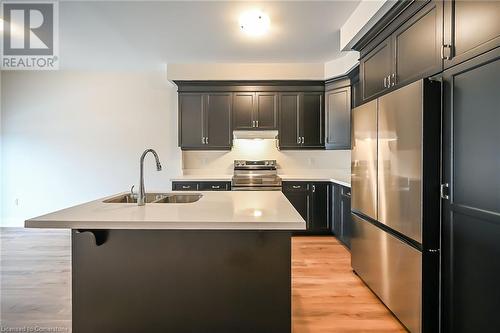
[{"x": 395, "y": 167}]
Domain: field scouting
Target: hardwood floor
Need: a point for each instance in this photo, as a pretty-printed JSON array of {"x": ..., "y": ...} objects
[
  {"x": 328, "y": 296},
  {"x": 35, "y": 286},
  {"x": 35, "y": 279}
]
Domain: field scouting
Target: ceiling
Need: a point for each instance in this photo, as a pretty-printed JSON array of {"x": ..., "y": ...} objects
[{"x": 142, "y": 33}]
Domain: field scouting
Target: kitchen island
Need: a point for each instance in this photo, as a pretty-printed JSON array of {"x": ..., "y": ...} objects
[{"x": 219, "y": 264}]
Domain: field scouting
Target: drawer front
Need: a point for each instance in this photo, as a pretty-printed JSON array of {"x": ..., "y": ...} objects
[
  {"x": 185, "y": 186},
  {"x": 295, "y": 186},
  {"x": 215, "y": 186}
]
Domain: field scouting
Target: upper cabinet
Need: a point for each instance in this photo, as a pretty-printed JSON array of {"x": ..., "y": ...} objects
[
  {"x": 255, "y": 110},
  {"x": 417, "y": 45},
  {"x": 243, "y": 112},
  {"x": 375, "y": 69},
  {"x": 470, "y": 28},
  {"x": 191, "y": 121},
  {"x": 412, "y": 50},
  {"x": 301, "y": 120},
  {"x": 341, "y": 95},
  {"x": 289, "y": 136},
  {"x": 266, "y": 112},
  {"x": 338, "y": 118},
  {"x": 218, "y": 133},
  {"x": 205, "y": 121},
  {"x": 311, "y": 120},
  {"x": 209, "y": 111},
  {"x": 420, "y": 38}
]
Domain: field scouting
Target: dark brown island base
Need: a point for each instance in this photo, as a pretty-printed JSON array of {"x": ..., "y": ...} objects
[{"x": 181, "y": 281}]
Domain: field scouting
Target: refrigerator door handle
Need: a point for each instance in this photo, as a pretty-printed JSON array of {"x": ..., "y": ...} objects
[{"x": 444, "y": 191}]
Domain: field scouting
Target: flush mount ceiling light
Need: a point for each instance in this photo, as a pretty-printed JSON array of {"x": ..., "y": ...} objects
[{"x": 254, "y": 23}]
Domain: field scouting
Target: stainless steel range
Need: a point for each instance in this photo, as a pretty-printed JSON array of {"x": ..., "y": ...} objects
[{"x": 255, "y": 176}]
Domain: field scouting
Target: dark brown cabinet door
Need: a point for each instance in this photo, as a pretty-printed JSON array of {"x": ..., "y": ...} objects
[
  {"x": 218, "y": 121},
  {"x": 320, "y": 221},
  {"x": 311, "y": 120},
  {"x": 471, "y": 28},
  {"x": 345, "y": 216},
  {"x": 375, "y": 67},
  {"x": 298, "y": 195},
  {"x": 266, "y": 112},
  {"x": 191, "y": 123},
  {"x": 471, "y": 209},
  {"x": 243, "y": 112},
  {"x": 289, "y": 120},
  {"x": 418, "y": 43},
  {"x": 338, "y": 118}
]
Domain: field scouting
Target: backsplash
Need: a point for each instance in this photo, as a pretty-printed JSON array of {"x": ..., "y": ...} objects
[{"x": 289, "y": 161}]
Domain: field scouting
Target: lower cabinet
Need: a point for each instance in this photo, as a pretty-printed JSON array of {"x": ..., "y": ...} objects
[
  {"x": 201, "y": 186},
  {"x": 312, "y": 201},
  {"x": 341, "y": 213}
]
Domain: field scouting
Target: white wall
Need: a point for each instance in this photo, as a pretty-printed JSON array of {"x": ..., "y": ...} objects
[
  {"x": 70, "y": 137},
  {"x": 246, "y": 71},
  {"x": 342, "y": 65},
  {"x": 289, "y": 162}
]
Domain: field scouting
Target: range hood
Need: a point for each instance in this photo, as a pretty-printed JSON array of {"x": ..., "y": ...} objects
[{"x": 262, "y": 134}]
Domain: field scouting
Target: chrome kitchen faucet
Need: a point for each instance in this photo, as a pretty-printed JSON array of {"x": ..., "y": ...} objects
[{"x": 142, "y": 193}]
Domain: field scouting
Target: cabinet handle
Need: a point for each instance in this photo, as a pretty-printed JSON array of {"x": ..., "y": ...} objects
[
  {"x": 449, "y": 48},
  {"x": 215, "y": 187},
  {"x": 443, "y": 191},
  {"x": 202, "y": 140},
  {"x": 302, "y": 140},
  {"x": 298, "y": 139},
  {"x": 393, "y": 79},
  {"x": 257, "y": 122},
  {"x": 388, "y": 81},
  {"x": 186, "y": 187},
  {"x": 314, "y": 188},
  {"x": 206, "y": 140},
  {"x": 253, "y": 123},
  {"x": 385, "y": 82},
  {"x": 296, "y": 186}
]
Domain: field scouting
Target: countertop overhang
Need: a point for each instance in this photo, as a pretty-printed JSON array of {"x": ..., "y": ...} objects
[
  {"x": 337, "y": 178},
  {"x": 218, "y": 210}
]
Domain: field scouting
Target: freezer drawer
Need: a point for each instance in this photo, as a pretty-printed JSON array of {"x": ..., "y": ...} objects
[{"x": 391, "y": 268}]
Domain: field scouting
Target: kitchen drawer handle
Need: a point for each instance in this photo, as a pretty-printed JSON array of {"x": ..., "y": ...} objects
[
  {"x": 186, "y": 187},
  {"x": 296, "y": 186},
  {"x": 215, "y": 186}
]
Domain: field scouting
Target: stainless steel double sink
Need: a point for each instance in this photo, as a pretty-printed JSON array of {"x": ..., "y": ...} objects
[{"x": 156, "y": 198}]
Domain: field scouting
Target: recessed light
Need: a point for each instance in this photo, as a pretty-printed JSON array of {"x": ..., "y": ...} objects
[{"x": 254, "y": 23}]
